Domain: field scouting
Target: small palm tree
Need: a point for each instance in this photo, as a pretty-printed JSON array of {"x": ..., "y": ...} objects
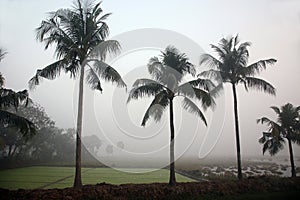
[
  {"x": 167, "y": 74},
  {"x": 80, "y": 36},
  {"x": 10, "y": 98},
  {"x": 286, "y": 127},
  {"x": 232, "y": 67}
]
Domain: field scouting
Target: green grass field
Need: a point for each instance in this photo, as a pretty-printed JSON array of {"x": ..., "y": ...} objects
[{"x": 61, "y": 177}]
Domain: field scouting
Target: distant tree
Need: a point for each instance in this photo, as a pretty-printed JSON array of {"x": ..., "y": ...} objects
[
  {"x": 120, "y": 145},
  {"x": 12, "y": 136},
  {"x": 51, "y": 145},
  {"x": 80, "y": 36},
  {"x": 167, "y": 74},
  {"x": 109, "y": 149},
  {"x": 10, "y": 98},
  {"x": 285, "y": 127},
  {"x": 232, "y": 67},
  {"x": 92, "y": 143}
]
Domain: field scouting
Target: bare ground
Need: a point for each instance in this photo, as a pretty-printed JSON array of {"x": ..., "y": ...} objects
[{"x": 192, "y": 190}]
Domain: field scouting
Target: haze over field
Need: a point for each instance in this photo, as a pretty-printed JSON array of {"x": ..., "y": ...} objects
[{"x": 272, "y": 26}]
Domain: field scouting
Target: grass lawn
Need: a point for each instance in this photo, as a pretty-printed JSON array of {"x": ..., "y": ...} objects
[{"x": 61, "y": 177}]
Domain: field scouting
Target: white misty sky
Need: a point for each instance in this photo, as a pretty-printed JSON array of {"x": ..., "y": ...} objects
[{"x": 272, "y": 26}]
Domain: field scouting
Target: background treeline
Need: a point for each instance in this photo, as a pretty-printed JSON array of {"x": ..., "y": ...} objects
[{"x": 51, "y": 145}]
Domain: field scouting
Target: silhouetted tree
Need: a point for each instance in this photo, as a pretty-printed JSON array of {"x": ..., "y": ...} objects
[
  {"x": 232, "y": 67},
  {"x": 120, "y": 145},
  {"x": 14, "y": 142},
  {"x": 10, "y": 98},
  {"x": 80, "y": 36},
  {"x": 109, "y": 149},
  {"x": 167, "y": 74},
  {"x": 92, "y": 142},
  {"x": 285, "y": 127}
]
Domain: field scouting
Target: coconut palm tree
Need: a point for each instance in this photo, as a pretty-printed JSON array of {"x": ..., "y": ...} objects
[
  {"x": 80, "y": 37},
  {"x": 232, "y": 67},
  {"x": 10, "y": 98},
  {"x": 285, "y": 127},
  {"x": 167, "y": 74}
]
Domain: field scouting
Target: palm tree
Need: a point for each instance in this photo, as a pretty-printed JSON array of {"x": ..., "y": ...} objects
[
  {"x": 285, "y": 127},
  {"x": 80, "y": 36},
  {"x": 167, "y": 74},
  {"x": 232, "y": 67},
  {"x": 10, "y": 98},
  {"x": 2, "y": 54}
]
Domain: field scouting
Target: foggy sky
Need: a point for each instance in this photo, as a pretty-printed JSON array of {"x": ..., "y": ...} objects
[{"x": 272, "y": 26}]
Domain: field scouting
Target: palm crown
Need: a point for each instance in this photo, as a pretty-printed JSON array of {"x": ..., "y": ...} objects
[
  {"x": 286, "y": 126},
  {"x": 80, "y": 37},
  {"x": 232, "y": 65},
  {"x": 167, "y": 74}
]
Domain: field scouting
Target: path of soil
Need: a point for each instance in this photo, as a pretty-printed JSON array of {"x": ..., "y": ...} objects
[{"x": 190, "y": 190}]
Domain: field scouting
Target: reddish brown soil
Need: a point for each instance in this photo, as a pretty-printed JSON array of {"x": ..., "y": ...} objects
[{"x": 159, "y": 190}]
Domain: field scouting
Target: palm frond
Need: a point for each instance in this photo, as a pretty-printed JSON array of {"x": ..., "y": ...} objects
[
  {"x": 155, "y": 68},
  {"x": 206, "y": 84},
  {"x": 112, "y": 47},
  {"x": 210, "y": 61},
  {"x": 2, "y": 80},
  {"x": 272, "y": 142},
  {"x": 10, "y": 98},
  {"x": 221, "y": 50},
  {"x": 26, "y": 127},
  {"x": 260, "y": 85},
  {"x": 257, "y": 67},
  {"x": 2, "y": 54},
  {"x": 275, "y": 109},
  {"x": 150, "y": 89},
  {"x": 156, "y": 108},
  {"x": 50, "y": 32},
  {"x": 50, "y": 72},
  {"x": 295, "y": 137},
  {"x": 265, "y": 120},
  {"x": 107, "y": 73},
  {"x": 193, "y": 108},
  {"x": 216, "y": 91},
  {"x": 264, "y": 137},
  {"x": 93, "y": 80},
  {"x": 219, "y": 76},
  {"x": 204, "y": 96},
  {"x": 242, "y": 55},
  {"x": 206, "y": 99},
  {"x": 143, "y": 81}
]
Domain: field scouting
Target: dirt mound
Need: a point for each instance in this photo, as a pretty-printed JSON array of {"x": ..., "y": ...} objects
[{"x": 159, "y": 190}]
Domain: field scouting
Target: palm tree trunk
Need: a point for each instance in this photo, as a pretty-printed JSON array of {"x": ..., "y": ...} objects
[
  {"x": 77, "y": 180},
  {"x": 292, "y": 158},
  {"x": 9, "y": 150},
  {"x": 172, "y": 180},
  {"x": 14, "y": 150},
  {"x": 237, "y": 133}
]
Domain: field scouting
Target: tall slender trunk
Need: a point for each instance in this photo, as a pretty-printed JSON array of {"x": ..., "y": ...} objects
[
  {"x": 237, "y": 133},
  {"x": 172, "y": 180},
  {"x": 292, "y": 157},
  {"x": 14, "y": 150},
  {"x": 9, "y": 150},
  {"x": 77, "y": 180}
]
